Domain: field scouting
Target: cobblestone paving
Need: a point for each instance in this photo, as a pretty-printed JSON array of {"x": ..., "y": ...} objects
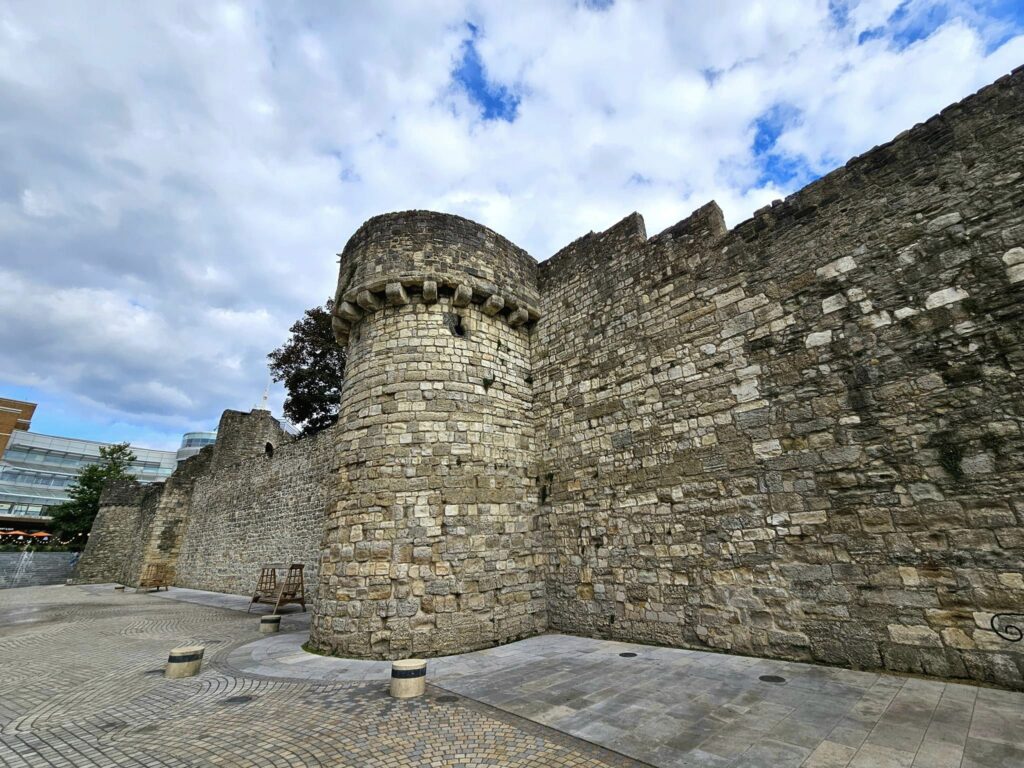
[{"x": 81, "y": 684}]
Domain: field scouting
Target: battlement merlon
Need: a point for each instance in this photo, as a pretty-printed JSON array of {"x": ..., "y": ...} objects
[{"x": 433, "y": 254}]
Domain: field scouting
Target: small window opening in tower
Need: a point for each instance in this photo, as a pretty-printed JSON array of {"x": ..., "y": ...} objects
[
  {"x": 269, "y": 450},
  {"x": 454, "y": 324}
]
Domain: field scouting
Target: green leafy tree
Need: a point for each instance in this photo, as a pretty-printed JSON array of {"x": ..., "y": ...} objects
[
  {"x": 312, "y": 366},
  {"x": 76, "y": 515}
]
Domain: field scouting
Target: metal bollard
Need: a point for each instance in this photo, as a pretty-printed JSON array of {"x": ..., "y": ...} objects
[
  {"x": 270, "y": 624},
  {"x": 408, "y": 678},
  {"x": 184, "y": 661}
]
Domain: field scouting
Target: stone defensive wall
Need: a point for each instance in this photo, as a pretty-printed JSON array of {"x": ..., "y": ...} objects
[
  {"x": 257, "y": 496},
  {"x": 261, "y": 509},
  {"x": 800, "y": 438}
]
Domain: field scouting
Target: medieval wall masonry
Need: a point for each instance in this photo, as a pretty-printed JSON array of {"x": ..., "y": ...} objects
[
  {"x": 799, "y": 438},
  {"x": 222, "y": 515},
  {"x": 266, "y": 509}
]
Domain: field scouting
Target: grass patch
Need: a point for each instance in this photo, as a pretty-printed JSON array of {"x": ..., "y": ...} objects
[{"x": 308, "y": 647}]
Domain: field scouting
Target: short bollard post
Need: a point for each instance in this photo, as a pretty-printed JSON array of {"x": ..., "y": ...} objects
[
  {"x": 270, "y": 624},
  {"x": 184, "y": 661},
  {"x": 408, "y": 678}
]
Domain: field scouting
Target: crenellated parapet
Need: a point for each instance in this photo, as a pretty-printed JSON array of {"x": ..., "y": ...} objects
[{"x": 398, "y": 257}]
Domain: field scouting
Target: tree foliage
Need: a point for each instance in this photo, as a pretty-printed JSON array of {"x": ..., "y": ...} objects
[
  {"x": 312, "y": 366},
  {"x": 76, "y": 515}
]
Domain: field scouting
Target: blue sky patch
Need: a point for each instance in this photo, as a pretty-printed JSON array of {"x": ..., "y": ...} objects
[
  {"x": 910, "y": 25},
  {"x": 839, "y": 12},
  {"x": 496, "y": 101},
  {"x": 770, "y": 125},
  {"x": 776, "y": 167},
  {"x": 911, "y": 22}
]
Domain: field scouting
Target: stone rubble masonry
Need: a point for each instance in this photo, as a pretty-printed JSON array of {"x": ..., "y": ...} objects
[
  {"x": 799, "y": 438},
  {"x": 221, "y": 515},
  {"x": 260, "y": 510}
]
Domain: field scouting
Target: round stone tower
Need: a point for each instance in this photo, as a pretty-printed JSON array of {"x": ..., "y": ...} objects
[{"x": 431, "y": 546}]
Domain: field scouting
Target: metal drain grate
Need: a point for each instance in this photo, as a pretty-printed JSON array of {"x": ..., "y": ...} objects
[
  {"x": 447, "y": 699},
  {"x": 238, "y": 700},
  {"x": 628, "y": 655},
  {"x": 772, "y": 679}
]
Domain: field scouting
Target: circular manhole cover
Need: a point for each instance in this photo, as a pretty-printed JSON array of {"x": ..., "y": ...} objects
[
  {"x": 771, "y": 679},
  {"x": 628, "y": 655}
]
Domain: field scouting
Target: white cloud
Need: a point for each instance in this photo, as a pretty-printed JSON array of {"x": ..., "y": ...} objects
[{"x": 175, "y": 178}]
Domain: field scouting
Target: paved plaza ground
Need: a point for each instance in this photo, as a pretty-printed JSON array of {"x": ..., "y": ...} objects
[{"x": 81, "y": 684}]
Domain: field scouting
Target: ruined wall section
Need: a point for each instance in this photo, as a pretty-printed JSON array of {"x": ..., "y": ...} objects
[
  {"x": 263, "y": 509},
  {"x": 240, "y": 488},
  {"x": 802, "y": 438},
  {"x": 242, "y": 436},
  {"x": 431, "y": 546},
  {"x": 163, "y": 521},
  {"x": 113, "y": 542}
]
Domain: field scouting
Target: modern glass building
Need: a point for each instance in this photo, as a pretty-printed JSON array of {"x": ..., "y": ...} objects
[
  {"x": 36, "y": 470},
  {"x": 193, "y": 442}
]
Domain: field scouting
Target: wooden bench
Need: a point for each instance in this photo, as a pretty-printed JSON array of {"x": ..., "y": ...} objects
[
  {"x": 155, "y": 577},
  {"x": 279, "y": 592}
]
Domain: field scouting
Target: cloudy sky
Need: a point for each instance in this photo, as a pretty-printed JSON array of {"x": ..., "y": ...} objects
[{"x": 176, "y": 178}]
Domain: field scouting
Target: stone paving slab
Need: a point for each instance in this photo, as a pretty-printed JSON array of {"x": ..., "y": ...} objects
[{"x": 678, "y": 707}]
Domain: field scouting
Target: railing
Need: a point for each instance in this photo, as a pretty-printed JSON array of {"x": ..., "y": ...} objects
[{"x": 1012, "y": 632}]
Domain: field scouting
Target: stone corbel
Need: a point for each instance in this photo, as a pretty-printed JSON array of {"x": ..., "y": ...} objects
[
  {"x": 493, "y": 305},
  {"x": 430, "y": 291},
  {"x": 463, "y": 295},
  {"x": 396, "y": 294},
  {"x": 368, "y": 301},
  {"x": 350, "y": 312}
]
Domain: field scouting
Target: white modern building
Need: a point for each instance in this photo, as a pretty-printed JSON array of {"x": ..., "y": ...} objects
[
  {"x": 193, "y": 442},
  {"x": 36, "y": 470}
]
